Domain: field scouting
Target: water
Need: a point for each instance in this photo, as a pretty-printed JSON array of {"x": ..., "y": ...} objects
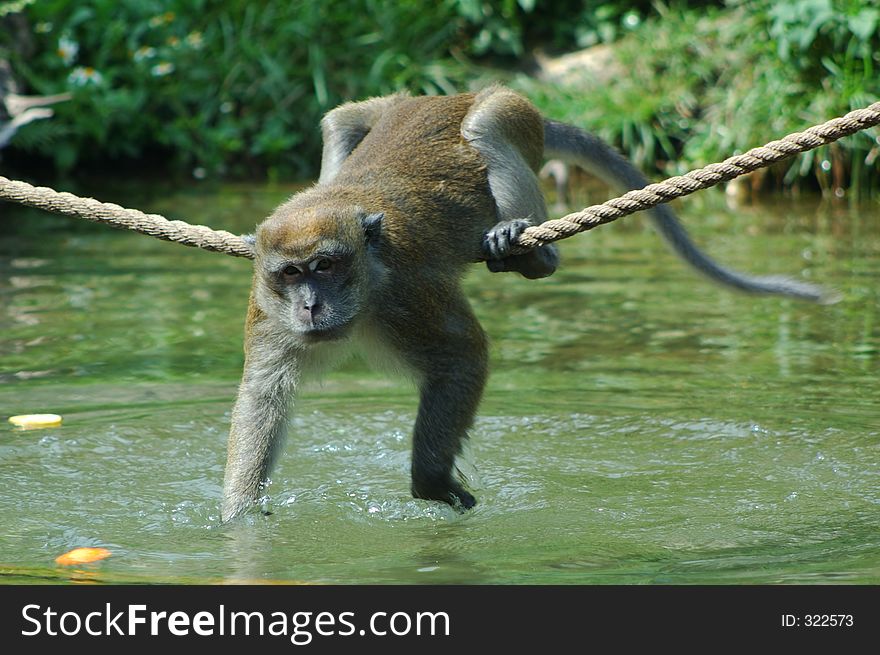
[{"x": 640, "y": 425}]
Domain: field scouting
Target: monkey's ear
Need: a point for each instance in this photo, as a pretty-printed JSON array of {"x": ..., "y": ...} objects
[{"x": 372, "y": 224}]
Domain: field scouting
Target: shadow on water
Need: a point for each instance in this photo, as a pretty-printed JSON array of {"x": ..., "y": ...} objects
[{"x": 640, "y": 426}]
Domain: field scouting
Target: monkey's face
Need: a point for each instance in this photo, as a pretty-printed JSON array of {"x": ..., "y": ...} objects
[{"x": 314, "y": 271}]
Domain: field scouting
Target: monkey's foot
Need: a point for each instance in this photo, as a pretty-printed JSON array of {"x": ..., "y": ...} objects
[
  {"x": 498, "y": 242},
  {"x": 446, "y": 491}
]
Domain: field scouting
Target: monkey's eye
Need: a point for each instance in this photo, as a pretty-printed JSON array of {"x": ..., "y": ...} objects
[
  {"x": 322, "y": 264},
  {"x": 291, "y": 272}
]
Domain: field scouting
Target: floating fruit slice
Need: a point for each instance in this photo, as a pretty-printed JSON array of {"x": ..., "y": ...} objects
[
  {"x": 82, "y": 556},
  {"x": 29, "y": 421}
]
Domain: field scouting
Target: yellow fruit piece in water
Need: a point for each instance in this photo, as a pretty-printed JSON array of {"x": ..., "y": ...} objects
[
  {"x": 82, "y": 556},
  {"x": 28, "y": 421}
]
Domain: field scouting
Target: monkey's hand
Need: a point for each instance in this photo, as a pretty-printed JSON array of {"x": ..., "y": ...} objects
[{"x": 499, "y": 240}]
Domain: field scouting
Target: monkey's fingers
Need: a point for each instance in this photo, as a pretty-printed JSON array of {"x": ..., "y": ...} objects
[{"x": 497, "y": 242}]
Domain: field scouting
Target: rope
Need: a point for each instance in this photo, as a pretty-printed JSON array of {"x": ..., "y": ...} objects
[
  {"x": 702, "y": 178},
  {"x": 198, "y": 236},
  {"x": 652, "y": 195}
]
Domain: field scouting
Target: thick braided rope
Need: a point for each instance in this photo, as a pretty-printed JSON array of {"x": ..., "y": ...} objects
[
  {"x": 702, "y": 178},
  {"x": 652, "y": 195},
  {"x": 199, "y": 236}
]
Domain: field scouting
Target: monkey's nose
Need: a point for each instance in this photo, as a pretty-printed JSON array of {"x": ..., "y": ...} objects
[{"x": 312, "y": 309}]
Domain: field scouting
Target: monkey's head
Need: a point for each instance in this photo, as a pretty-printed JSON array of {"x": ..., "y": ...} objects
[{"x": 316, "y": 268}]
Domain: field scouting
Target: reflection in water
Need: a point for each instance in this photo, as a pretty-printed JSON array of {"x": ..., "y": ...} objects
[{"x": 640, "y": 424}]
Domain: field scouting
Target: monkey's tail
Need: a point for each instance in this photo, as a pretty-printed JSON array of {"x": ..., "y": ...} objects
[{"x": 574, "y": 145}]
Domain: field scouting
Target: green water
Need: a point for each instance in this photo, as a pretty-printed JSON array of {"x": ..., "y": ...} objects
[{"x": 640, "y": 425}]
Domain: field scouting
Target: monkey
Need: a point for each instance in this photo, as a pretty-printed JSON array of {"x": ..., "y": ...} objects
[{"x": 412, "y": 191}]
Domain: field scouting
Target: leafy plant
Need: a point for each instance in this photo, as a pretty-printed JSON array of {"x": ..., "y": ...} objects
[
  {"x": 236, "y": 88},
  {"x": 692, "y": 87},
  {"x": 222, "y": 88}
]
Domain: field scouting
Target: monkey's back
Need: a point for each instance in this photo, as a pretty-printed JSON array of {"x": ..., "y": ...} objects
[{"x": 433, "y": 184}]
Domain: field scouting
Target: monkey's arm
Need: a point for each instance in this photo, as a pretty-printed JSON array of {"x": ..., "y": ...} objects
[
  {"x": 450, "y": 353},
  {"x": 572, "y": 144},
  {"x": 259, "y": 418}
]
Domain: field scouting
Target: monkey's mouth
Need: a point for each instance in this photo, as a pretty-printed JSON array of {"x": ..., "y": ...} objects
[{"x": 317, "y": 334}]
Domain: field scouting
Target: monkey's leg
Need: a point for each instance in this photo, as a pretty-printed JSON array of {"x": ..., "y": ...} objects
[
  {"x": 346, "y": 126},
  {"x": 259, "y": 422},
  {"x": 507, "y": 149},
  {"x": 453, "y": 378}
]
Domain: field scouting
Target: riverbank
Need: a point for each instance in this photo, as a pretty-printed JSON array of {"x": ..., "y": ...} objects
[{"x": 235, "y": 92}]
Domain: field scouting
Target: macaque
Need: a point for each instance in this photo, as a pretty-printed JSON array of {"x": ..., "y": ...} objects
[{"x": 412, "y": 191}]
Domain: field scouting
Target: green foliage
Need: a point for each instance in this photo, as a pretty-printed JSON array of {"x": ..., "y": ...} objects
[
  {"x": 237, "y": 88},
  {"x": 234, "y": 88},
  {"x": 693, "y": 87},
  {"x": 802, "y": 26},
  {"x": 818, "y": 62},
  {"x": 652, "y": 100},
  {"x": 498, "y": 26},
  {"x": 13, "y": 6}
]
